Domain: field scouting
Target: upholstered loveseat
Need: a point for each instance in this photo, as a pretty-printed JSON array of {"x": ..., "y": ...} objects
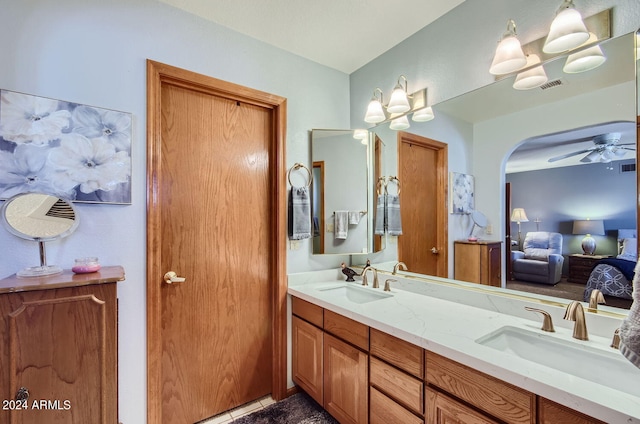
[{"x": 541, "y": 261}]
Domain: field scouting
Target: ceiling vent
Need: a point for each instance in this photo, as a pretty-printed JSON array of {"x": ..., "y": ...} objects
[
  {"x": 627, "y": 167},
  {"x": 551, "y": 84}
]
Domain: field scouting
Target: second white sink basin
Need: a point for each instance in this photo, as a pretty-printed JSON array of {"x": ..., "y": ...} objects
[
  {"x": 355, "y": 294},
  {"x": 610, "y": 369}
]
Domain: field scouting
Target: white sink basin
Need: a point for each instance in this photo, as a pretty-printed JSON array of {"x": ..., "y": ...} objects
[
  {"x": 355, "y": 294},
  {"x": 608, "y": 368}
]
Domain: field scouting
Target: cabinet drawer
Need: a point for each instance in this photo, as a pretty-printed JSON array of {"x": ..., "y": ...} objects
[
  {"x": 496, "y": 397},
  {"x": 402, "y": 387},
  {"x": 347, "y": 329},
  {"x": 441, "y": 409},
  {"x": 307, "y": 311},
  {"x": 398, "y": 352},
  {"x": 551, "y": 413},
  {"x": 383, "y": 410}
]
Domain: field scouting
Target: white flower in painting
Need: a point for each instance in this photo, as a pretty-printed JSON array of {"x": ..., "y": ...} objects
[
  {"x": 94, "y": 164},
  {"x": 28, "y": 119},
  {"x": 108, "y": 125},
  {"x": 26, "y": 170}
]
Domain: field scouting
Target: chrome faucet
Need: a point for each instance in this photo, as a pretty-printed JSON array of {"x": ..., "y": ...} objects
[
  {"x": 575, "y": 312},
  {"x": 398, "y": 265},
  {"x": 375, "y": 276},
  {"x": 596, "y": 298}
]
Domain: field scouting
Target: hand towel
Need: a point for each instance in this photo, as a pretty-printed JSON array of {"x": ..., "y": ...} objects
[
  {"x": 630, "y": 328},
  {"x": 341, "y": 224},
  {"x": 379, "y": 225},
  {"x": 299, "y": 213},
  {"x": 394, "y": 222},
  {"x": 354, "y": 217}
]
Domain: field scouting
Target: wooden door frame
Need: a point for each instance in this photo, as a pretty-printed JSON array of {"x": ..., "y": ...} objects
[
  {"x": 442, "y": 211},
  {"x": 319, "y": 164},
  {"x": 158, "y": 74}
]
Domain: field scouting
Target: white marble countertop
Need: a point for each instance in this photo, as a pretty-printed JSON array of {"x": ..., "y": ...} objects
[{"x": 419, "y": 313}]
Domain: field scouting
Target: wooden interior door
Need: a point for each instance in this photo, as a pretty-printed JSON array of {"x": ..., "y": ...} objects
[
  {"x": 215, "y": 209},
  {"x": 422, "y": 170}
]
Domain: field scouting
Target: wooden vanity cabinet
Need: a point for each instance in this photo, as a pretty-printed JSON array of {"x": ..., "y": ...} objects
[
  {"x": 552, "y": 413},
  {"x": 307, "y": 359},
  {"x": 478, "y": 262},
  {"x": 58, "y": 341}
]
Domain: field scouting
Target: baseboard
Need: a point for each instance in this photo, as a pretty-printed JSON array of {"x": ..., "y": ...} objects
[{"x": 292, "y": 391}]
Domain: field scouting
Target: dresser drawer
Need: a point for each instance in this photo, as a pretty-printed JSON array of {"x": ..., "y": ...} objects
[
  {"x": 398, "y": 352},
  {"x": 495, "y": 397},
  {"x": 307, "y": 311},
  {"x": 383, "y": 410},
  {"x": 347, "y": 329},
  {"x": 404, "y": 388}
]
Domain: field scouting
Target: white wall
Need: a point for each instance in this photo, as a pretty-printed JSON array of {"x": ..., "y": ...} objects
[{"x": 93, "y": 52}]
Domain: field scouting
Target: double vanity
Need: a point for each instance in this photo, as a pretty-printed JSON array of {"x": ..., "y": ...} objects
[{"x": 438, "y": 350}]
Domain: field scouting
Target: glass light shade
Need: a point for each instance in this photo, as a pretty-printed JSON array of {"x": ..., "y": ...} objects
[
  {"x": 592, "y": 157},
  {"x": 399, "y": 102},
  {"x": 584, "y": 60},
  {"x": 509, "y": 56},
  {"x": 532, "y": 78},
  {"x": 360, "y": 134},
  {"x": 423, "y": 115},
  {"x": 374, "y": 114},
  {"x": 567, "y": 31},
  {"x": 619, "y": 152},
  {"x": 401, "y": 123}
]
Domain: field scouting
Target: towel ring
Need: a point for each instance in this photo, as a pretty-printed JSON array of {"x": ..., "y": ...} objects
[
  {"x": 397, "y": 183},
  {"x": 380, "y": 185},
  {"x": 295, "y": 167}
]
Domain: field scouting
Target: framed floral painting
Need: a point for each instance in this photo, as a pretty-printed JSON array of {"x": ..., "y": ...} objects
[
  {"x": 461, "y": 193},
  {"x": 76, "y": 152}
]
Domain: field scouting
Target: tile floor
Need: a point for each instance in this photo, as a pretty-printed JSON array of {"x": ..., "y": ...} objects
[{"x": 243, "y": 410}]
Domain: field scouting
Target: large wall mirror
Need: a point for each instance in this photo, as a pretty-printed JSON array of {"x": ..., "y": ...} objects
[
  {"x": 346, "y": 164},
  {"x": 507, "y": 127}
]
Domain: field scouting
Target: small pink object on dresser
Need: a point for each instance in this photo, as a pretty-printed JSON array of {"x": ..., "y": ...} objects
[{"x": 86, "y": 265}]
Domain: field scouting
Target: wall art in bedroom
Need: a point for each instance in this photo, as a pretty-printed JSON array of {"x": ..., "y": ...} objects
[
  {"x": 77, "y": 152},
  {"x": 461, "y": 193}
]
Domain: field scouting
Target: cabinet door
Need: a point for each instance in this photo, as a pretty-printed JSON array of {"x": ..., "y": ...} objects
[
  {"x": 306, "y": 361},
  {"x": 345, "y": 381},
  {"x": 61, "y": 346},
  {"x": 441, "y": 409},
  {"x": 494, "y": 266}
]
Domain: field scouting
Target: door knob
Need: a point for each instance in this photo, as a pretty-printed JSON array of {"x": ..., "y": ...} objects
[
  {"x": 22, "y": 394},
  {"x": 171, "y": 277},
  {"x": 435, "y": 251}
]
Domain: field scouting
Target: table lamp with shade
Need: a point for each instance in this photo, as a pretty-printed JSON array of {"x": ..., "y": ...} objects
[
  {"x": 588, "y": 228},
  {"x": 519, "y": 215}
]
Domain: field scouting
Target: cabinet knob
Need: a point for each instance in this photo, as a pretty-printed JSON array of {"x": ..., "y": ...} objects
[{"x": 22, "y": 394}]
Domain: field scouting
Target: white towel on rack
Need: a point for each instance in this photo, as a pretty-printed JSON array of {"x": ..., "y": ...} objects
[
  {"x": 354, "y": 217},
  {"x": 341, "y": 224}
]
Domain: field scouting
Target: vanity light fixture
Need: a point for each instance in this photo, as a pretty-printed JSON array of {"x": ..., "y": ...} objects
[
  {"x": 533, "y": 77},
  {"x": 360, "y": 134},
  {"x": 375, "y": 113},
  {"x": 585, "y": 60},
  {"x": 423, "y": 115},
  {"x": 400, "y": 123},
  {"x": 509, "y": 56},
  {"x": 399, "y": 102},
  {"x": 567, "y": 31}
]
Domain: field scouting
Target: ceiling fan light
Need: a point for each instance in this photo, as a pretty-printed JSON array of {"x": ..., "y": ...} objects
[
  {"x": 619, "y": 152},
  {"x": 401, "y": 123},
  {"x": 399, "y": 102},
  {"x": 567, "y": 31},
  {"x": 585, "y": 60},
  {"x": 423, "y": 115},
  {"x": 509, "y": 56},
  {"x": 592, "y": 157},
  {"x": 374, "y": 114}
]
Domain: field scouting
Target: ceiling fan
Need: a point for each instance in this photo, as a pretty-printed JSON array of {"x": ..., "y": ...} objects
[{"x": 605, "y": 149}]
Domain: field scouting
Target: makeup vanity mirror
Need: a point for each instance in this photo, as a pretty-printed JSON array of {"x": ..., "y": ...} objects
[
  {"x": 39, "y": 217},
  {"x": 346, "y": 164},
  {"x": 502, "y": 119}
]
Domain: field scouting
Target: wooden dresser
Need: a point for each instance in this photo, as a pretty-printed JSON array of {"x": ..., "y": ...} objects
[
  {"x": 478, "y": 262},
  {"x": 58, "y": 348},
  {"x": 580, "y": 267}
]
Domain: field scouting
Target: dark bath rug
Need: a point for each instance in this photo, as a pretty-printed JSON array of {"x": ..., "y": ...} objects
[{"x": 296, "y": 409}]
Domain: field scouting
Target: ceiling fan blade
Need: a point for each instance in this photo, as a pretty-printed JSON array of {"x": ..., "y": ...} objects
[
  {"x": 568, "y": 155},
  {"x": 625, "y": 144}
]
